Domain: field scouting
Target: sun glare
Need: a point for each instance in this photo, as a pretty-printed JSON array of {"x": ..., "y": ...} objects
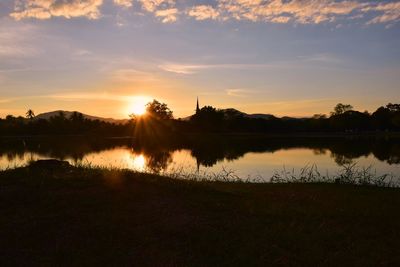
[
  {"x": 139, "y": 162},
  {"x": 138, "y": 105}
]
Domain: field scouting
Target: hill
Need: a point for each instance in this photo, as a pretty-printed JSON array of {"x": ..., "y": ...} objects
[
  {"x": 232, "y": 113},
  {"x": 68, "y": 114}
]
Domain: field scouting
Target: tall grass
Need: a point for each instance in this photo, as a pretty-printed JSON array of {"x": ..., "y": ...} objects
[{"x": 347, "y": 174}]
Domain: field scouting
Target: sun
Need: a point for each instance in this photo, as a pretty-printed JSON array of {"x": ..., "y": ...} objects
[
  {"x": 139, "y": 109},
  {"x": 138, "y": 105}
]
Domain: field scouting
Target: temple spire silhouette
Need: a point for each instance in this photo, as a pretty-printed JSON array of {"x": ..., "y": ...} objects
[{"x": 197, "y": 105}]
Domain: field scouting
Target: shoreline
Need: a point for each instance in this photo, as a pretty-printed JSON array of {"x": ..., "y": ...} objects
[{"x": 222, "y": 134}]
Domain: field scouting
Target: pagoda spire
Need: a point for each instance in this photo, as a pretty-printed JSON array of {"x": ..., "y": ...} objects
[{"x": 197, "y": 105}]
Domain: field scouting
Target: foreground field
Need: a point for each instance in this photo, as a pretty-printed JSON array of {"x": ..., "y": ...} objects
[{"x": 61, "y": 215}]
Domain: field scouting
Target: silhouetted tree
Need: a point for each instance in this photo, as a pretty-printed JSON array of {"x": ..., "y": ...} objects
[
  {"x": 156, "y": 126},
  {"x": 208, "y": 118},
  {"x": 387, "y": 118},
  {"x": 159, "y": 110},
  {"x": 393, "y": 107},
  {"x": 341, "y": 108},
  {"x": 30, "y": 114},
  {"x": 10, "y": 118},
  {"x": 77, "y": 117},
  {"x": 160, "y": 125}
]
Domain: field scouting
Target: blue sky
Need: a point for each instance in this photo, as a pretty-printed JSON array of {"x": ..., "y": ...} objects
[{"x": 295, "y": 58}]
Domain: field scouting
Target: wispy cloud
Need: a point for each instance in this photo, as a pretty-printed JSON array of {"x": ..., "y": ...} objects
[
  {"x": 5, "y": 100},
  {"x": 14, "y": 41},
  {"x": 132, "y": 75},
  {"x": 298, "y": 62},
  {"x": 295, "y": 108},
  {"x": 323, "y": 58},
  {"x": 81, "y": 52},
  {"x": 239, "y": 92},
  {"x": 7, "y": 50},
  {"x": 194, "y": 68},
  {"x": 181, "y": 68},
  {"x": 90, "y": 96}
]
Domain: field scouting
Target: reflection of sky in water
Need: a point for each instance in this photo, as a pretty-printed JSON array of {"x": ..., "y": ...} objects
[{"x": 251, "y": 164}]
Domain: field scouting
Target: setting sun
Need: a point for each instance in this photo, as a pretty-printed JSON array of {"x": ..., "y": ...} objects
[{"x": 138, "y": 105}]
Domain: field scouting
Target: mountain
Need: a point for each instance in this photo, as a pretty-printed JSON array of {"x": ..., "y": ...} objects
[
  {"x": 68, "y": 114},
  {"x": 232, "y": 113}
]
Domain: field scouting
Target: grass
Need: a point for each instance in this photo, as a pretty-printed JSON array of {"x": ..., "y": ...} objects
[
  {"x": 79, "y": 216},
  {"x": 348, "y": 174}
]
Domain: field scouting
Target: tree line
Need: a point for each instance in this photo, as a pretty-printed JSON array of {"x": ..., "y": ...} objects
[
  {"x": 158, "y": 123},
  {"x": 60, "y": 124},
  {"x": 343, "y": 118}
]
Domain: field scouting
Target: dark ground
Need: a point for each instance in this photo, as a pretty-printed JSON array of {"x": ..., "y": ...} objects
[{"x": 64, "y": 216}]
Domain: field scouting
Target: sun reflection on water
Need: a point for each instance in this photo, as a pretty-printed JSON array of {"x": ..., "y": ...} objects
[{"x": 139, "y": 162}]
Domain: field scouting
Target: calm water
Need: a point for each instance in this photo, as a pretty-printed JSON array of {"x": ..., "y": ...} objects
[{"x": 247, "y": 157}]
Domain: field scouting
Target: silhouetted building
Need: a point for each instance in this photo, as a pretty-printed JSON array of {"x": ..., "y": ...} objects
[{"x": 197, "y": 106}]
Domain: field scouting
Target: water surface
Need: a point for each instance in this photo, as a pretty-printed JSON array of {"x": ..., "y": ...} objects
[{"x": 247, "y": 157}]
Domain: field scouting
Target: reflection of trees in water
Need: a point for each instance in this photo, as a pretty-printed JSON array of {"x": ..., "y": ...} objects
[
  {"x": 341, "y": 159},
  {"x": 388, "y": 152},
  {"x": 210, "y": 154},
  {"x": 158, "y": 162},
  {"x": 158, "y": 156},
  {"x": 319, "y": 151},
  {"x": 58, "y": 147},
  {"x": 343, "y": 150},
  {"x": 206, "y": 150}
]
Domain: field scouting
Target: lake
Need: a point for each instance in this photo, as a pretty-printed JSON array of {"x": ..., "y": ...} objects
[{"x": 254, "y": 157}]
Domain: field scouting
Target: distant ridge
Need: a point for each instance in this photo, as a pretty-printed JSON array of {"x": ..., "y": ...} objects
[
  {"x": 68, "y": 114},
  {"x": 232, "y": 113},
  {"x": 229, "y": 113}
]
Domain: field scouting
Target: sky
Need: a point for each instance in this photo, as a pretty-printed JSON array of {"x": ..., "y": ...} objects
[{"x": 282, "y": 57}]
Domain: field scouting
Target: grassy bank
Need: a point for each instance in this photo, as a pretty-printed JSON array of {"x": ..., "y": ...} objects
[{"x": 61, "y": 215}]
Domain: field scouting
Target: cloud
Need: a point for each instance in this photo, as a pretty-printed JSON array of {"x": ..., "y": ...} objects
[
  {"x": 152, "y": 5},
  {"x": 269, "y": 11},
  {"x": 86, "y": 96},
  {"x": 81, "y": 52},
  {"x": 5, "y": 100},
  {"x": 181, "y": 69},
  {"x": 163, "y": 9},
  {"x": 238, "y": 92},
  {"x": 390, "y": 12},
  {"x": 279, "y": 11},
  {"x": 93, "y": 96},
  {"x": 45, "y": 9},
  {"x": 9, "y": 50},
  {"x": 323, "y": 58},
  {"x": 15, "y": 41},
  {"x": 132, "y": 75},
  {"x": 203, "y": 12},
  {"x": 280, "y": 19},
  {"x": 168, "y": 15},
  {"x": 123, "y": 3},
  {"x": 194, "y": 68}
]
